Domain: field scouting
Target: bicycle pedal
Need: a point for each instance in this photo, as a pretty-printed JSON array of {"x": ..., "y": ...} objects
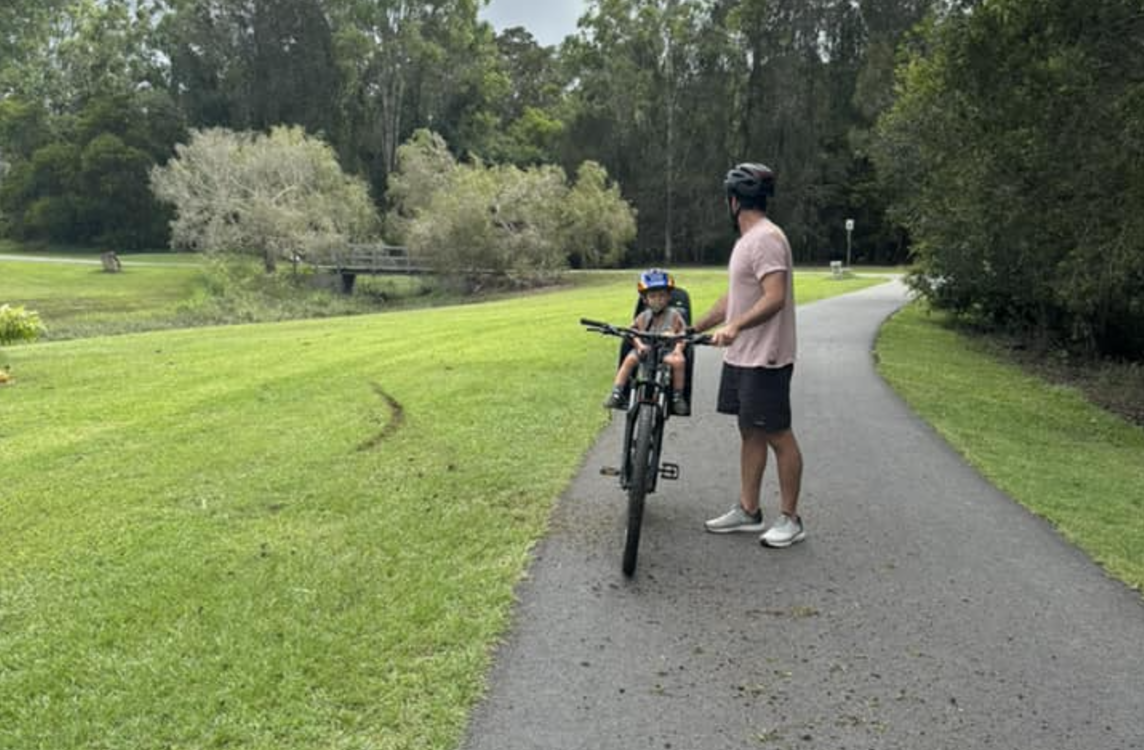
[
  {"x": 669, "y": 471},
  {"x": 609, "y": 471}
]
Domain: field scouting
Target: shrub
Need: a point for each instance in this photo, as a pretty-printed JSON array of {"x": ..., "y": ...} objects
[{"x": 18, "y": 324}]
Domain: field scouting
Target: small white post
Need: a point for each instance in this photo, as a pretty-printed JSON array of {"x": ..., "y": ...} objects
[{"x": 849, "y": 229}]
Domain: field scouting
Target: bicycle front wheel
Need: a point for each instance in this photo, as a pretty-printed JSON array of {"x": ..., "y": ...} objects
[{"x": 641, "y": 474}]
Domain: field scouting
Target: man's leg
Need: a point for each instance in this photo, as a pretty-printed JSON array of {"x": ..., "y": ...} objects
[
  {"x": 788, "y": 458},
  {"x": 746, "y": 515},
  {"x": 752, "y": 464}
]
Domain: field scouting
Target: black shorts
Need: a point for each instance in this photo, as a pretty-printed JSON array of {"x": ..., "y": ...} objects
[{"x": 759, "y": 396}]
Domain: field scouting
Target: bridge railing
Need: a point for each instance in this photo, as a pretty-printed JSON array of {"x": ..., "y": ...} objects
[{"x": 369, "y": 259}]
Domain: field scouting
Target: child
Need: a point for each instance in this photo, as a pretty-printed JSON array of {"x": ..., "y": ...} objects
[{"x": 655, "y": 287}]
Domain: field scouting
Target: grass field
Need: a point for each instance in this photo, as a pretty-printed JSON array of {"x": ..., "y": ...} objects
[
  {"x": 77, "y": 299},
  {"x": 1046, "y": 446},
  {"x": 67, "y": 292},
  {"x": 293, "y": 535}
]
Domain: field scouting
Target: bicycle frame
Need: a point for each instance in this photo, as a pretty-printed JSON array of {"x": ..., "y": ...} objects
[
  {"x": 648, "y": 411},
  {"x": 651, "y": 384}
]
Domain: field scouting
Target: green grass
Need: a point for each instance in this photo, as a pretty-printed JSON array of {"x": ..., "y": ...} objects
[
  {"x": 67, "y": 294},
  {"x": 159, "y": 291},
  {"x": 228, "y": 537},
  {"x": 1044, "y": 445}
]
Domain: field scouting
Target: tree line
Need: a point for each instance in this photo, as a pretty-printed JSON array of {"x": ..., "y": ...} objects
[
  {"x": 664, "y": 94},
  {"x": 995, "y": 142}
]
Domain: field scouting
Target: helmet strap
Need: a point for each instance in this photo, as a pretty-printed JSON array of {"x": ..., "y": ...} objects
[{"x": 734, "y": 208}]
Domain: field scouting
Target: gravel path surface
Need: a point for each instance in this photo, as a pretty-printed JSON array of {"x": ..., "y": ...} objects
[{"x": 925, "y": 610}]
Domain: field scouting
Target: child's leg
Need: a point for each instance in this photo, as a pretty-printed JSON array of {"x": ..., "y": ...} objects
[
  {"x": 678, "y": 370},
  {"x": 626, "y": 369}
]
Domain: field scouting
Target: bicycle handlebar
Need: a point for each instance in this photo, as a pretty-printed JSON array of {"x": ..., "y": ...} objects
[{"x": 607, "y": 329}]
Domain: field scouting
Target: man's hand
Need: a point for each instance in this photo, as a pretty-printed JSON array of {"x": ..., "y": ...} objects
[{"x": 725, "y": 336}]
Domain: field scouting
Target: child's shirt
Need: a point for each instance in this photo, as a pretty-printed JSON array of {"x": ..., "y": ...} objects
[{"x": 668, "y": 321}]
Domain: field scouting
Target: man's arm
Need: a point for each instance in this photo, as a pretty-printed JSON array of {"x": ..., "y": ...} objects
[
  {"x": 713, "y": 317},
  {"x": 774, "y": 297}
]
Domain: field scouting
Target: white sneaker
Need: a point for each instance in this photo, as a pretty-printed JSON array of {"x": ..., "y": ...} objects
[
  {"x": 736, "y": 519},
  {"x": 784, "y": 533}
]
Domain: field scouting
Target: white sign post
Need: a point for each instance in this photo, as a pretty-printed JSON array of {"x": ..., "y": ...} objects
[{"x": 849, "y": 229}]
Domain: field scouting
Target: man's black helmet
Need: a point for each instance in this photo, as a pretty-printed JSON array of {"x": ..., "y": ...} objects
[{"x": 750, "y": 180}]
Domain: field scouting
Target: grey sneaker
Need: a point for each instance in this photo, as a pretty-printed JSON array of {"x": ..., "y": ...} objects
[
  {"x": 615, "y": 399},
  {"x": 679, "y": 406},
  {"x": 785, "y": 532},
  {"x": 736, "y": 519}
]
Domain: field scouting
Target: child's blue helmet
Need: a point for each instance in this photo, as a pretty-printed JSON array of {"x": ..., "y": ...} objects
[{"x": 655, "y": 279}]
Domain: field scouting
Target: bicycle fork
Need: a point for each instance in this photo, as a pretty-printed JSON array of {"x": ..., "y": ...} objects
[{"x": 643, "y": 392}]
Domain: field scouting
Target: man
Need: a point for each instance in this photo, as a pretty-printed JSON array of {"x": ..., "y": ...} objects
[{"x": 758, "y": 330}]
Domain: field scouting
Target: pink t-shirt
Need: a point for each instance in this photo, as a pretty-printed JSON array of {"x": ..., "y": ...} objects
[{"x": 762, "y": 250}]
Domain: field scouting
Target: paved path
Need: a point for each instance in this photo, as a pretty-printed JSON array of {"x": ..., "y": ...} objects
[
  {"x": 925, "y": 610},
  {"x": 90, "y": 262}
]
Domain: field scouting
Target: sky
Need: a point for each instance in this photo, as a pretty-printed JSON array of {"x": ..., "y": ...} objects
[{"x": 549, "y": 21}]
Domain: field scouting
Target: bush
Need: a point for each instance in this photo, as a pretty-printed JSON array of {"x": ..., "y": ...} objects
[{"x": 18, "y": 324}]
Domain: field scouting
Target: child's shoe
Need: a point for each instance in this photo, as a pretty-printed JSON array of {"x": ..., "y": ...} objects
[
  {"x": 615, "y": 399},
  {"x": 679, "y": 405}
]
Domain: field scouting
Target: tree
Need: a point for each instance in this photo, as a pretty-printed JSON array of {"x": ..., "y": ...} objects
[
  {"x": 253, "y": 64},
  {"x": 1016, "y": 163},
  {"x": 522, "y": 123},
  {"x": 492, "y": 223},
  {"x": 274, "y": 196},
  {"x": 407, "y": 66},
  {"x": 61, "y": 53},
  {"x": 82, "y": 119},
  {"x": 25, "y": 32},
  {"x": 476, "y": 221},
  {"x": 598, "y": 224},
  {"x": 82, "y": 179},
  {"x": 667, "y": 95},
  {"x": 425, "y": 167},
  {"x": 634, "y": 66},
  {"x": 481, "y": 221}
]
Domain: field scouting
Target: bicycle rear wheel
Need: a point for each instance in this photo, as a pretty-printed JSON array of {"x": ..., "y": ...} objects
[{"x": 641, "y": 467}]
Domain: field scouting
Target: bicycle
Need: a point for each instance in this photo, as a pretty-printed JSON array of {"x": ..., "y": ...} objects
[{"x": 649, "y": 407}]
